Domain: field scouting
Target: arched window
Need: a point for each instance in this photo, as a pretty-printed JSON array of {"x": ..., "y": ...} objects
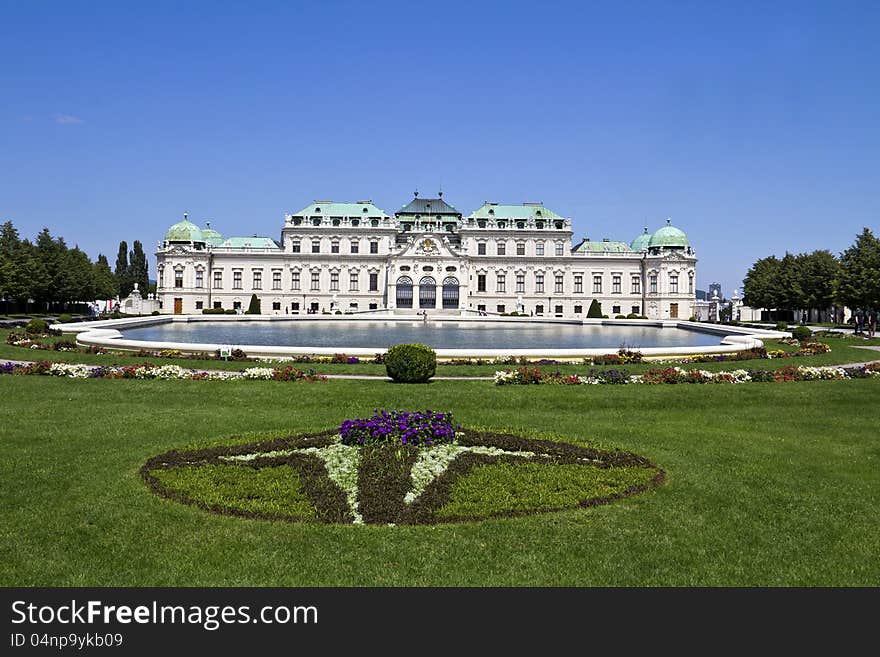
[
  {"x": 450, "y": 292},
  {"x": 404, "y": 292},
  {"x": 427, "y": 293}
]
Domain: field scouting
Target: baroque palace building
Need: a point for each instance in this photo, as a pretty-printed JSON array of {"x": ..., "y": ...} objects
[{"x": 354, "y": 257}]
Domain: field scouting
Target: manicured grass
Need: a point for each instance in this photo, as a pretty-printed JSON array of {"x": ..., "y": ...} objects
[
  {"x": 270, "y": 491},
  {"x": 767, "y": 484},
  {"x": 521, "y": 487}
]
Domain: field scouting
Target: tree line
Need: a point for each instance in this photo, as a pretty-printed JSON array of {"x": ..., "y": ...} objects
[
  {"x": 818, "y": 280},
  {"x": 53, "y": 275}
]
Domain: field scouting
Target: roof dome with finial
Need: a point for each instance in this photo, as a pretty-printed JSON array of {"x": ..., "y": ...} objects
[
  {"x": 641, "y": 242},
  {"x": 184, "y": 231},
  {"x": 211, "y": 236},
  {"x": 669, "y": 237}
]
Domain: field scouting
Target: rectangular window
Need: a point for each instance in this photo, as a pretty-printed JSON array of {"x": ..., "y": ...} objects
[
  {"x": 236, "y": 305},
  {"x": 295, "y": 246},
  {"x": 276, "y": 305},
  {"x": 481, "y": 248},
  {"x": 539, "y": 248},
  {"x": 539, "y": 309},
  {"x": 294, "y": 280},
  {"x": 294, "y": 307},
  {"x": 276, "y": 280},
  {"x": 355, "y": 246},
  {"x": 615, "y": 284},
  {"x": 635, "y": 310},
  {"x": 200, "y": 305},
  {"x": 636, "y": 284},
  {"x": 560, "y": 249},
  {"x": 217, "y": 305},
  {"x": 673, "y": 283},
  {"x": 539, "y": 282},
  {"x": 334, "y": 280},
  {"x": 578, "y": 284},
  {"x": 334, "y": 247},
  {"x": 374, "y": 282},
  {"x": 316, "y": 280},
  {"x": 200, "y": 278},
  {"x": 353, "y": 280},
  {"x": 481, "y": 282},
  {"x": 258, "y": 280},
  {"x": 501, "y": 282},
  {"x": 653, "y": 282},
  {"x": 597, "y": 284},
  {"x": 373, "y": 306},
  {"x": 520, "y": 283},
  {"x": 615, "y": 310},
  {"x": 374, "y": 247},
  {"x": 557, "y": 288},
  {"x": 236, "y": 280},
  {"x": 520, "y": 248},
  {"x": 691, "y": 283},
  {"x": 178, "y": 278},
  {"x": 558, "y": 310},
  {"x": 316, "y": 246},
  {"x": 500, "y": 308},
  {"x": 218, "y": 280},
  {"x": 481, "y": 308},
  {"x": 353, "y": 306},
  {"x": 502, "y": 248},
  {"x": 578, "y": 310}
]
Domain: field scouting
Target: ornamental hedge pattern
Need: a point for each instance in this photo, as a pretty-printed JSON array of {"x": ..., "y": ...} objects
[{"x": 392, "y": 483}]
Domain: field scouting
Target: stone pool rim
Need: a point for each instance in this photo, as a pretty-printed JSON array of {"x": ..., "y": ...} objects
[{"x": 106, "y": 334}]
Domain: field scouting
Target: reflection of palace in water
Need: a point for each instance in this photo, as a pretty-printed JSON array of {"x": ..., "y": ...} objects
[{"x": 353, "y": 257}]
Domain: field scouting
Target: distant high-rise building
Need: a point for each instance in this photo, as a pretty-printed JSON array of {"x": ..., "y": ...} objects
[{"x": 713, "y": 288}]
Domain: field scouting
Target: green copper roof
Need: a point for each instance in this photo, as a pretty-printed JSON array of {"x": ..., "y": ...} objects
[
  {"x": 641, "y": 242},
  {"x": 250, "y": 243},
  {"x": 211, "y": 236},
  {"x": 184, "y": 231},
  {"x": 669, "y": 237},
  {"x": 589, "y": 246},
  {"x": 525, "y": 211},
  {"x": 331, "y": 209}
]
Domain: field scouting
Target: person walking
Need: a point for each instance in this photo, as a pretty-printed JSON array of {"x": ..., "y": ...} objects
[
  {"x": 872, "y": 322},
  {"x": 860, "y": 321}
]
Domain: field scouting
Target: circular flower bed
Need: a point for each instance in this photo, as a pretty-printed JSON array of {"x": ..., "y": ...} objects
[{"x": 383, "y": 479}]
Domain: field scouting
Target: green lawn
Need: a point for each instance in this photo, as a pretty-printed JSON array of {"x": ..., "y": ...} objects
[
  {"x": 767, "y": 484},
  {"x": 844, "y": 350}
]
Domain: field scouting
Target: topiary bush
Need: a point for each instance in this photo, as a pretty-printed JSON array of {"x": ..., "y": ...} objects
[
  {"x": 64, "y": 318},
  {"x": 36, "y": 326},
  {"x": 801, "y": 333},
  {"x": 410, "y": 363},
  {"x": 595, "y": 310},
  {"x": 781, "y": 326},
  {"x": 254, "y": 306}
]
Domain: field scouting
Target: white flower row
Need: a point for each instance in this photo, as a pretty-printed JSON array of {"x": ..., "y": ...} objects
[{"x": 73, "y": 371}]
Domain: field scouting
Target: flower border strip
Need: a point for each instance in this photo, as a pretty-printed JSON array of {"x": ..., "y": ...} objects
[{"x": 163, "y": 372}]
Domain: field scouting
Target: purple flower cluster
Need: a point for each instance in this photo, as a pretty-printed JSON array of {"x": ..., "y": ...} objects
[{"x": 420, "y": 428}]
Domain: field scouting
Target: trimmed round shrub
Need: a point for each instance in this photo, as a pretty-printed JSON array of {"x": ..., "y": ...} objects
[
  {"x": 36, "y": 326},
  {"x": 781, "y": 326},
  {"x": 64, "y": 318},
  {"x": 410, "y": 363},
  {"x": 801, "y": 333}
]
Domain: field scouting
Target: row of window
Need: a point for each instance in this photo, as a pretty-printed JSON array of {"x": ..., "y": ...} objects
[
  {"x": 295, "y": 280},
  {"x": 559, "y": 283},
  {"x": 501, "y": 248},
  {"x": 294, "y": 306},
  {"x": 353, "y": 246},
  {"x": 557, "y": 309}
]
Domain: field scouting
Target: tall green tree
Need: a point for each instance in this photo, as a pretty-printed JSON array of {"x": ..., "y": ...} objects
[
  {"x": 819, "y": 273},
  {"x": 80, "y": 281},
  {"x": 52, "y": 254},
  {"x": 106, "y": 286},
  {"x": 761, "y": 284},
  {"x": 10, "y": 282},
  {"x": 139, "y": 268},
  {"x": 123, "y": 271},
  {"x": 859, "y": 279}
]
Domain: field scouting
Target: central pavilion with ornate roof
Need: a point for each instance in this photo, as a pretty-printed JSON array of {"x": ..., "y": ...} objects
[{"x": 428, "y": 257}]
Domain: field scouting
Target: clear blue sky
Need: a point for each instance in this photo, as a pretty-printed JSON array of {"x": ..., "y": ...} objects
[{"x": 755, "y": 128}]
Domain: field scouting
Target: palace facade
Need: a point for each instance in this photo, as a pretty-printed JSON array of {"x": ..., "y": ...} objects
[{"x": 354, "y": 257}]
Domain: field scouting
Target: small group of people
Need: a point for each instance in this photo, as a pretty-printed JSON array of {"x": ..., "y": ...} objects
[{"x": 865, "y": 321}]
